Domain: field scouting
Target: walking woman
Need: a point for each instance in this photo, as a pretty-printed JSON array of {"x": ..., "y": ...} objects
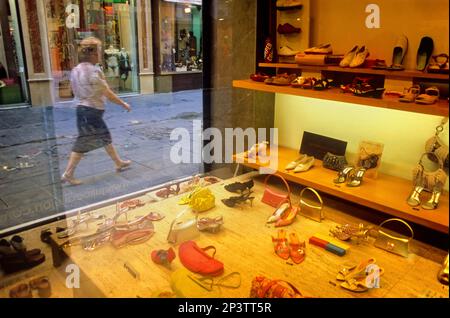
[{"x": 91, "y": 91}]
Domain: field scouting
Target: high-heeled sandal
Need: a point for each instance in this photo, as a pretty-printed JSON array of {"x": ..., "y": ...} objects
[
  {"x": 211, "y": 225},
  {"x": 239, "y": 187},
  {"x": 279, "y": 212},
  {"x": 233, "y": 201},
  {"x": 348, "y": 231},
  {"x": 296, "y": 248},
  {"x": 414, "y": 197},
  {"x": 362, "y": 284},
  {"x": 344, "y": 174},
  {"x": 288, "y": 217},
  {"x": 350, "y": 271},
  {"x": 280, "y": 245},
  {"x": 433, "y": 202},
  {"x": 356, "y": 178}
]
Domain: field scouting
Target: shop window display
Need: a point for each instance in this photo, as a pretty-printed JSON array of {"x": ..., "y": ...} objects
[
  {"x": 180, "y": 32},
  {"x": 113, "y": 22}
]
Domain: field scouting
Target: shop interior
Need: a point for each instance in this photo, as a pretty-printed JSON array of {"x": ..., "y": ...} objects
[{"x": 347, "y": 198}]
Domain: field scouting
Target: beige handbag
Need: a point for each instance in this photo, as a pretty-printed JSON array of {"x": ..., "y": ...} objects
[
  {"x": 181, "y": 231},
  {"x": 309, "y": 210},
  {"x": 394, "y": 243}
]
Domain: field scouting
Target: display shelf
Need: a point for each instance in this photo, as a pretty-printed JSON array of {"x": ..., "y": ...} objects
[
  {"x": 438, "y": 109},
  {"x": 387, "y": 193},
  {"x": 406, "y": 74}
]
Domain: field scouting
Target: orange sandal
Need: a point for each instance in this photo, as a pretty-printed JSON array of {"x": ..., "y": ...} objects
[
  {"x": 297, "y": 249},
  {"x": 280, "y": 245}
]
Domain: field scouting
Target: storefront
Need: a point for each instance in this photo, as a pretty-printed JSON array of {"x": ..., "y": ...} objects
[
  {"x": 113, "y": 22},
  {"x": 13, "y": 85}
]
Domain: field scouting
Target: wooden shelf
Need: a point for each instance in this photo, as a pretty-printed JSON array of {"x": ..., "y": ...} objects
[
  {"x": 438, "y": 109},
  {"x": 406, "y": 74},
  {"x": 387, "y": 194}
]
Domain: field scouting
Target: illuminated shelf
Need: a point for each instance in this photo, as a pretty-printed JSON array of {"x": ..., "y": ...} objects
[
  {"x": 387, "y": 193},
  {"x": 335, "y": 94}
]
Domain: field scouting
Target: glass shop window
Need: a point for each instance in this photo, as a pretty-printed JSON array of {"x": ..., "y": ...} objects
[
  {"x": 180, "y": 36},
  {"x": 111, "y": 21}
]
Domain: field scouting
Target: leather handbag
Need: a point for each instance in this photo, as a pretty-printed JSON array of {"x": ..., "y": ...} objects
[
  {"x": 275, "y": 198},
  {"x": 263, "y": 287},
  {"x": 310, "y": 210},
  {"x": 394, "y": 243},
  {"x": 334, "y": 162},
  {"x": 195, "y": 259},
  {"x": 181, "y": 231}
]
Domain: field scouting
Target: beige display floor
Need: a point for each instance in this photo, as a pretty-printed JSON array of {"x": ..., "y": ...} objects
[{"x": 244, "y": 245}]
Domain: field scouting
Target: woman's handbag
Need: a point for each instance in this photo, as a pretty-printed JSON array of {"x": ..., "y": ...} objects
[
  {"x": 436, "y": 146},
  {"x": 195, "y": 259},
  {"x": 394, "y": 243},
  {"x": 274, "y": 198},
  {"x": 263, "y": 287},
  {"x": 334, "y": 162},
  {"x": 310, "y": 210},
  {"x": 181, "y": 231},
  {"x": 430, "y": 180},
  {"x": 202, "y": 200}
]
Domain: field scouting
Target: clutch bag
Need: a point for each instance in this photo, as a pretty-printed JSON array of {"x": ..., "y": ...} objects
[
  {"x": 334, "y": 162},
  {"x": 394, "y": 243}
]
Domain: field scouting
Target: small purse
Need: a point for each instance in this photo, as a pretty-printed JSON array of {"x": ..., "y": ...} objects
[
  {"x": 274, "y": 198},
  {"x": 195, "y": 259},
  {"x": 202, "y": 200},
  {"x": 263, "y": 287},
  {"x": 334, "y": 162},
  {"x": 181, "y": 231},
  {"x": 311, "y": 211},
  {"x": 394, "y": 243}
]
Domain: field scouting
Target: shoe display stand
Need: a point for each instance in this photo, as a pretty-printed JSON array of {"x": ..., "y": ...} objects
[
  {"x": 441, "y": 108},
  {"x": 249, "y": 252},
  {"x": 373, "y": 193}
]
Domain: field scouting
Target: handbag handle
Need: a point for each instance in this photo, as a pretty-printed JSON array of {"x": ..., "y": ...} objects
[
  {"x": 315, "y": 193},
  {"x": 282, "y": 179},
  {"x": 441, "y": 163},
  {"x": 397, "y": 220}
]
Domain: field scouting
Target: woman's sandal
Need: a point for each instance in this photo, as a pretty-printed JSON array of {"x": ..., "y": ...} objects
[
  {"x": 350, "y": 271},
  {"x": 297, "y": 248},
  {"x": 21, "y": 291},
  {"x": 360, "y": 284},
  {"x": 42, "y": 284},
  {"x": 280, "y": 245}
]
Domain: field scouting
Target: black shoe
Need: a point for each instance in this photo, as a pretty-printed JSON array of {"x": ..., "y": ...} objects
[
  {"x": 239, "y": 187},
  {"x": 233, "y": 201},
  {"x": 424, "y": 52}
]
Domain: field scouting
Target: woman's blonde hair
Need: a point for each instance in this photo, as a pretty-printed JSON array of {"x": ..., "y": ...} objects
[{"x": 88, "y": 46}]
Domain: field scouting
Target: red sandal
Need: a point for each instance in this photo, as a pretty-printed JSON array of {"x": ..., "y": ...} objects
[
  {"x": 297, "y": 249},
  {"x": 280, "y": 245}
]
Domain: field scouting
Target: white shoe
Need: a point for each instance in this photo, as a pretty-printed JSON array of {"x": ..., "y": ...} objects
[
  {"x": 360, "y": 57},
  {"x": 305, "y": 165},
  {"x": 321, "y": 49},
  {"x": 287, "y": 51},
  {"x": 293, "y": 164},
  {"x": 348, "y": 58},
  {"x": 278, "y": 213}
]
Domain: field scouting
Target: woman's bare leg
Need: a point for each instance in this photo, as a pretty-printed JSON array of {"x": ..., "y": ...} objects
[
  {"x": 67, "y": 176},
  {"x": 120, "y": 164}
]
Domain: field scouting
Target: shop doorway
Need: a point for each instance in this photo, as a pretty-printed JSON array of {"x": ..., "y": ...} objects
[{"x": 13, "y": 84}]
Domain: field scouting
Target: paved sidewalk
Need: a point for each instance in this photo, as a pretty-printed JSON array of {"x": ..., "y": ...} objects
[{"x": 46, "y": 136}]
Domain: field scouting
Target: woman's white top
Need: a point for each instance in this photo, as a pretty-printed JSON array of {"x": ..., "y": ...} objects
[{"x": 89, "y": 85}]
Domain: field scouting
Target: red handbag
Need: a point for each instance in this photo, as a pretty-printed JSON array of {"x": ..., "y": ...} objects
[
  {"x": 263, "y": 287},
  {"x": 274, "y": 198},
  {"x": 195, "y": 259}
]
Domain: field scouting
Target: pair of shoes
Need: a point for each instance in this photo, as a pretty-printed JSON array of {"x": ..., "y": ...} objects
[
  {"x": 41, "y": 284},
  {"x": 70, "y": 179},
  {"x": 432, "y": 203},
  {"x": 430, "y": 96},
  {"x": 259, "y": 77},
  {"x": 355, "y": 57},
  {"x": 293, "y": 249},
  {"x": 320, "y": 49},
  {"x": 211, "y": 225},
  {"x": 347, "y": 231},
  {"x": 257, "y": 150},
  {"x": 362, "y": 277},
  {"x": 301, "y": 164},
  {"x": 410, "y": 94},
  {"x": 123, "y": 165},
  {"x": 353, "y": 176},
  {"x": 239, "y": 187},
  {"x": 163, "y": 257},
  {"x": 231, "y": 202},
  {"x": 281, "y": 79},
  {"x": 288, "y": 28},
  {"x": 439, "y": 64}
]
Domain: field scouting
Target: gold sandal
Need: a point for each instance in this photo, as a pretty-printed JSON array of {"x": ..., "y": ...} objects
[
  {"x": 351, "y": 271},
  {"x": 363, "y": 284}
]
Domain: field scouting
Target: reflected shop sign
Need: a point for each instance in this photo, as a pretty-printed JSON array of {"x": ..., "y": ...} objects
[{"x": 196, "y": 2}]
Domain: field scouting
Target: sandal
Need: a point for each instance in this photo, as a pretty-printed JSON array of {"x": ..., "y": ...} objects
[
  {"x": 259, "y": 77},
  {"x": 297, "y": 249},
  {"x": 361, "y": 285},
  {"x": 411, "y": 94},
  {"x": 309, "y": 83},
  {"x": 430, "y": 97},
  {"x": 211, "y": 225},
  {"x": 21, "y": 291},
  {"x": 298, "y": 82},
  {"x": 280, "y": 245},
  {"x": 322, "y": 84},
  {"x": 42, "y": 284},
  {"x": 350, "y": 271}
]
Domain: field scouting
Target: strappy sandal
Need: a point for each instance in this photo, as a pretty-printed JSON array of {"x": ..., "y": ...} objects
[
  {"x": 280, "y": 245},
  {"x": 411, "y": 94},
  {"x": 298, "y": 82},
  {"x": 360, "y": 285},
  {"x": 430, "y": 97},
  {"x": 350, "y": 271},
  {"x": 322, "y": 84},
  {"x": 296, "y": 248}
]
